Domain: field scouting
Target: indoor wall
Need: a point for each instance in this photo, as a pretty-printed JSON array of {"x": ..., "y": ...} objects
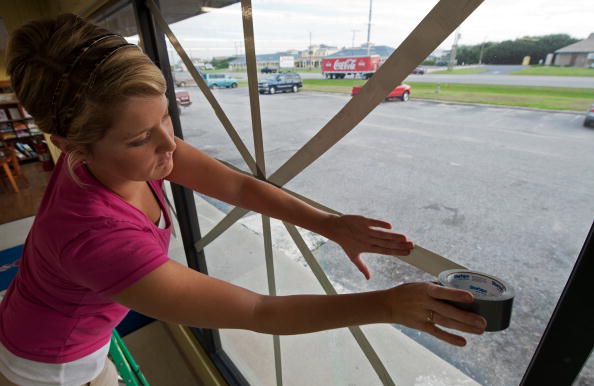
[{"x": 15, "y": 13}]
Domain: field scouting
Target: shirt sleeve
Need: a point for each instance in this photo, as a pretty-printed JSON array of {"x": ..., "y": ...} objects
[{"x": 108, "y": 260}]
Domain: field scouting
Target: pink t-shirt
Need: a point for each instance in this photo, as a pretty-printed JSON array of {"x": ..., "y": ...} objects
[{"x": 85, "y": 245}]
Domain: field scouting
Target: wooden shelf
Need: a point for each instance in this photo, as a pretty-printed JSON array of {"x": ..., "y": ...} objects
[
  {"x": 28, "y": 159},
  {"x": 17, "y": 120},
  {"x": 16, "y": 126}
]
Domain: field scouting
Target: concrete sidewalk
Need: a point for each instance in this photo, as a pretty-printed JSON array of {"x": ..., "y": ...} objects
[{"x": 325, "y": 358}]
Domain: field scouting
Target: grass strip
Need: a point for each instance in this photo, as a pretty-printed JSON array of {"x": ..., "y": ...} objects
[
  {"x": 551, "y": 98},
  {"x": 554, "y": 71}
]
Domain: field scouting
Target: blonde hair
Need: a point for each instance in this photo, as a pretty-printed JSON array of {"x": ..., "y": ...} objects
[{"x": 51, "y": 62}]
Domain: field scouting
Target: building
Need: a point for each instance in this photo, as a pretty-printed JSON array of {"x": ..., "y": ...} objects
[
  {"x": 263, "y": 60},
  {"x": 309, "y": 58},
  {"x": 312, "y": 57},
  {"x": 580, "y": 54},
  {"x": 439, "y": 55}
]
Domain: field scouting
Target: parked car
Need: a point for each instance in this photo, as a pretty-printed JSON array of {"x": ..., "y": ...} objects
[
  {"x": 182, "y": 97},
  {"x": 418, "y": 71},
  {"x": 219, "y": 80},
  {"x": 589, "y": 121},
  {"x": 268, "y": 70},
  {"x": 285, "y": 81},
  {"x": 401, "y": 92},
  {"x": 183, "y": 79}
]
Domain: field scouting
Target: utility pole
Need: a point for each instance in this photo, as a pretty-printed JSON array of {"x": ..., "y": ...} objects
[
  {"x": 369, "y": 28},
  {"x": 310, "y": 51},
  {"x": 481, "y": 53},
  {"x": 452, "y": 61},
  {"x": 354, "y": 32},
  {"x": 239, "y": 50}
]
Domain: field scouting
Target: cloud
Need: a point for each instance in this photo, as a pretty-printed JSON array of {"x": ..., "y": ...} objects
[{"x": 287, "y": 24}]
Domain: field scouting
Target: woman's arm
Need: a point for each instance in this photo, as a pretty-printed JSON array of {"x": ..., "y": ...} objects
[
  {"x": 355, "y": 234},
  {"x": 199, "y": 172},
  {"x": 175, "y": 293}
]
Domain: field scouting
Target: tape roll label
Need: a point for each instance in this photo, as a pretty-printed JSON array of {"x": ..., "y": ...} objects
[
  {"x": 493, "y": 298},
  {"x": 480, "y": 285}
]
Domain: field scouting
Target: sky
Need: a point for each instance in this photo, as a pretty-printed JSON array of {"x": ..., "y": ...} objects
[{"x": 290, "y": 24}]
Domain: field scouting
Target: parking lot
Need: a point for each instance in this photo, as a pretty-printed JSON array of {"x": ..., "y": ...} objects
[{"x": 500, "y": 190}]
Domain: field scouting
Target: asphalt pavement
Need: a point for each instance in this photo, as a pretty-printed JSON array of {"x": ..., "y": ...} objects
[
  {"x": 492, "y": 69},
  {"x": 500, "y": 190}
]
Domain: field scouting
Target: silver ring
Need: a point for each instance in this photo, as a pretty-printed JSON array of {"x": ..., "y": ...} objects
[{"x": 430, "y": 317}]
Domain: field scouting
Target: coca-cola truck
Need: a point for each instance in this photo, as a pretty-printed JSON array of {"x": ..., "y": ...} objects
[{"x": 358, "y": 66}]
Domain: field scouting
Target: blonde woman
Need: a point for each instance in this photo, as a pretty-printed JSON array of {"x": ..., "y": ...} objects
[{"x": 98, "y": 246}]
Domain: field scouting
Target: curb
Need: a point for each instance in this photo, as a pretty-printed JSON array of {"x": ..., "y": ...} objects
[
  {"x": 496, "y": 106},
  {"x": 413, "y": 99}
]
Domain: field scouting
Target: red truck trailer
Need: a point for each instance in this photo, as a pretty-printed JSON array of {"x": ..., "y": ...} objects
[{"x": 358, "y": 66}]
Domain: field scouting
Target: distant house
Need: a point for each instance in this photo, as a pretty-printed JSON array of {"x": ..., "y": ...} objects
[
  {"x": 439, "y": 55},
  {"x": 580, "y": 54},
  {"x": 262, "y": 60}
]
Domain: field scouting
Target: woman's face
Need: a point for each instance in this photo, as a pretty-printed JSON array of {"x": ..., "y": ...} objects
[{"x": 140, "y": 145}]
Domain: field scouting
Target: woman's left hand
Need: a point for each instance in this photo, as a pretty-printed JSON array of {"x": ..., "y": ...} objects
[{"x": 359, "y": 234}]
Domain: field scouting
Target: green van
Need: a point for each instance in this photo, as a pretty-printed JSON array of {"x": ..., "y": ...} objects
[{"x": 219, "y": 80}]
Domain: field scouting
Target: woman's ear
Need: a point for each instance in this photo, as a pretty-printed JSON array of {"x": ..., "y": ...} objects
[
  {"x": 69, "y": 148},
  {"x": 60, "y": 142}
]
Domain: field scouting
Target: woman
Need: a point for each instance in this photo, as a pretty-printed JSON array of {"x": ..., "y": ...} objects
[{"x": 98, "y": 246}]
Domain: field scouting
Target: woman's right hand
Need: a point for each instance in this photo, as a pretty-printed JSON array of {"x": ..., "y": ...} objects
[{"x": 422, "y": 306}]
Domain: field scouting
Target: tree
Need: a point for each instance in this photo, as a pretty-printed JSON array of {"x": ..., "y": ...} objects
[
  {"x": 513, "y": 51},
  {"x": 537, "y": 47},
  {"x": 221, "y": 63},
  {"x": 472, "y": 54}
]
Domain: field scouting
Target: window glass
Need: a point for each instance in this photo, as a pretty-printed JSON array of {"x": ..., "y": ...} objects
[
  {"x": 586, "y": 376},
  {"x": 176, "y": 246},
  {"x": 486, "y": 167},
  {"x": 501, "y": 189},
  {"x": 237, "y": 257}
]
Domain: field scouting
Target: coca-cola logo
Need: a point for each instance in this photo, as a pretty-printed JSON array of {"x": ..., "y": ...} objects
[{"x": 347, "y": 64}]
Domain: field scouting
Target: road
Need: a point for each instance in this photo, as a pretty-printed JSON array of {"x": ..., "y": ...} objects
[
  {"x": 500, "y": 190},
  {"x": 493, "y": 75},
  {"x": 512, "y": 80}
]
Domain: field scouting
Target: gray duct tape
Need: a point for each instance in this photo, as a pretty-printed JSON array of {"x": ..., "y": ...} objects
[{"x": 493, "y": 298}]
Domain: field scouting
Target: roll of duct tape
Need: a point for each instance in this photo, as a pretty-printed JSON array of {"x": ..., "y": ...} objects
[{"x": 493, "y": 298}]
